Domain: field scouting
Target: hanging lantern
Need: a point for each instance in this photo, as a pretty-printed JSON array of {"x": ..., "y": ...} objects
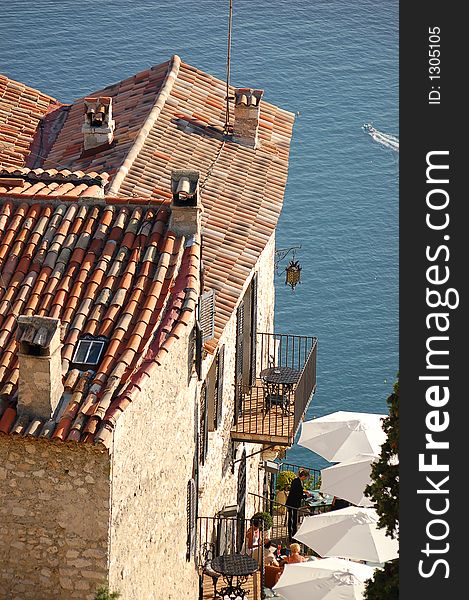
[{"x": 293, "y": 274}]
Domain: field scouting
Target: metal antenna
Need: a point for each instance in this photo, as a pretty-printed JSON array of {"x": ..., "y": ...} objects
[{"x": 228, "y": 65}]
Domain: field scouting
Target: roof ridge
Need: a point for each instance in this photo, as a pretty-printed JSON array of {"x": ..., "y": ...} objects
[{"x": 165, "y": 91}]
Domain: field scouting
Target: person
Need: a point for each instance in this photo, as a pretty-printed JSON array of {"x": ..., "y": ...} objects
[
  {"x": 338, "y": 503},
  {"x": 295, "y": 556},
  {"x": 269, "y": 555},
  {"x": 254, "y": 537},
  {"x": 294, "y": 498},
  {"x": 272, "y": 568}
]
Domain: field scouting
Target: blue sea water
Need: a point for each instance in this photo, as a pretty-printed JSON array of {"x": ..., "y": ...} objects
[{"x": 332, "y": 62}]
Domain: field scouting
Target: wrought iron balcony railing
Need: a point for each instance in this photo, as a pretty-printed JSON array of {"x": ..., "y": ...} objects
[
  {"x": 222, "y": 536},
  {"x": 271, "y": 410}
]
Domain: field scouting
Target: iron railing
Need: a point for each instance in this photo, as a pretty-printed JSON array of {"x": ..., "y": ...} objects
[
  {"x": 272, "y": 413},
  {"x": 217, "y": 536},
  {"x": 312, "y": 483},
  {"x": 278, "y": 511},
  {"x": 284, "y": 350},
  {"x": 305, "y": 387}
]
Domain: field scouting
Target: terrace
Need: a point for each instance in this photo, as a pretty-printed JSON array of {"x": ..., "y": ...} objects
[{"x": 271, "y": 409}]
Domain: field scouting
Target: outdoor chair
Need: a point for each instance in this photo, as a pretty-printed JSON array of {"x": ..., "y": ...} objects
[
  {"x": 273, "y": 398},
  {"x": 208, "y": 554},
  {"x": 271, "y": 575}
]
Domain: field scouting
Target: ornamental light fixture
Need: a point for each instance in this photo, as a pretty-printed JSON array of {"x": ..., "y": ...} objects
[
  {"x": 293, "y": 274},
  {"x": 292, "y": 270}
]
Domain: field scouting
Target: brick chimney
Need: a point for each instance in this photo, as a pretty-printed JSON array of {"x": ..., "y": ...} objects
[
  {"x": 98, "y": 128},
  {"x": 186, "y": 208},
  {"x": 40, "y": 385},
  {"x": 246, "y": 116}
]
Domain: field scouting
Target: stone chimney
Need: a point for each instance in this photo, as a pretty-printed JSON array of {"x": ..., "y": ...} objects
[
  {"x": 98, "y": 128},
  {"x": 40, "y": 385},
  {"x": 246, "y": 116},
  {"x": 186, "y": 208}
]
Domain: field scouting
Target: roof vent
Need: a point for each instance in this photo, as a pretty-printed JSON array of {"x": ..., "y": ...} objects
[
  {"x": 98, "y": 128},
  {"x": 40, "y": 385},
  {"x": 185, "y": 187},
  {"x": 246, "y": 116},
  {"x": 186, "y": 208}
]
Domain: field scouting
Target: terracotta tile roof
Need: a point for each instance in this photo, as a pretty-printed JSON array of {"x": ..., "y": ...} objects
[
  {"x": 21, "y": 110},
  {"x": 106, "y": 271},
  {"x": 21, "y": 181},
  {"x": 134, "y": 102},
  {"x": 242, "y": 189},
  {"x": 110, "y": 268}
]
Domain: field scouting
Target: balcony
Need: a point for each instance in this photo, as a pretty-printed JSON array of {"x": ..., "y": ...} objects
[
  {"x": 218, "y": 536},
  {"x": 271, "y": 409}
]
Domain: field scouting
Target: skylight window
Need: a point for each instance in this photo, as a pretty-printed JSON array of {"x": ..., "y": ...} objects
[{"x": 88, "y": 352}]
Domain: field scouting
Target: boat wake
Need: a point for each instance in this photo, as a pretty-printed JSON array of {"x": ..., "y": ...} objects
[{"x": 385, "y": 139}]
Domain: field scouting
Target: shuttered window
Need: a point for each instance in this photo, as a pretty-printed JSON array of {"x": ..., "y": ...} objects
[
  {"x": 241, "y": 501},
  {"x": 207, "y": 315},
  {"x": 198, "y": 350},
  {"x": 239, "y": 359},
  {"x": 191, "y": 518},
  {"x": 252, "y": 371},
  {"x": 191, "y": 352},
  {"x": 203, "y": 439},
  {"x": 218, "y": 392}
]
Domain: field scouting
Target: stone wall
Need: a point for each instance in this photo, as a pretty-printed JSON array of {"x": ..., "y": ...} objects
[
  {"x": 54, "y": 519},
  {"x": 153, "y": 458},
  {"x": 218, "y": 485}
]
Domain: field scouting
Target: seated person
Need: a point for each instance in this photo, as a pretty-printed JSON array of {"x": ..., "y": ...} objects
[
  {"x": 269, "y": 555},
  {"x": 255, "y": 537},
  {"x": 295, "y": 556},
  {"x": 338, "y": 503}
]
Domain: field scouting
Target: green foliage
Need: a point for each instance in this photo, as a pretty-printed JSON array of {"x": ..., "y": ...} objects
[
  {"x": 284, "y": 480},
  {"x": 384, "y": 487},
  {"x": 103, "y": 593},
  {"x": 311, "y": 484},
  {"x": 385, "y": 583},
  {"x": 384, "y": 492},
  {"x": 266, "y": 519}
]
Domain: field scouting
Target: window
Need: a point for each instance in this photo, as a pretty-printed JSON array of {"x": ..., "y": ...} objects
[
  {"x": 191, "y": 354},
  {"x": 241, "y": 500},
  {"x": 214, "y": 384},
  {"x": 207, "y": 315},
  {"x": 88, "y": 352},
  {"x": 246, "y": 339},
  {"x": 203, "y": 439},
  {"x": 198, "y": 350},
  {"x": 191, "y": 518},
  {"x": 218, "y": 392}
]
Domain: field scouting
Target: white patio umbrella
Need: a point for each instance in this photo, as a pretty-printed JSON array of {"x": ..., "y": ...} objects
[
  {"x": 342, "y": 434},
  {"x": 349, "y": 533},
  {"x": 328, "y": 578},
  {"x": 349, "y": 478}
]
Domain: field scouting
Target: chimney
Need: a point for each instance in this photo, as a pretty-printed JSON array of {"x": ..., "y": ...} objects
[
  {"x": 186, "y": 208},
  {"x": 246, "y": 116},
  {"x": 40, "y": 385},
  {"x": 98, "y": 128}
]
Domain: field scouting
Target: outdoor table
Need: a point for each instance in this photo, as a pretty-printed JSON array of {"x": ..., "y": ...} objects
[
  {"x": 318, "y": 501},
  {"x": 231, "y": 566},
  {"x": 279, "y": 383}
]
